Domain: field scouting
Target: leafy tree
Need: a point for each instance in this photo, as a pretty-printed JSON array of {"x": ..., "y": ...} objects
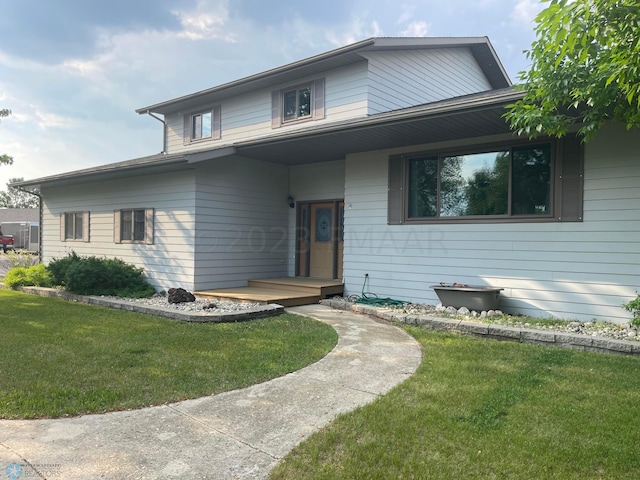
[
  {"x": 585, "y": 69},
  {"x": 4, "y": 158},
  {"x": 16, "y": 198}
]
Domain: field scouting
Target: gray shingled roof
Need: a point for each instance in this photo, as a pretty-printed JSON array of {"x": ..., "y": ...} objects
[{"x": 13, "y": 215}]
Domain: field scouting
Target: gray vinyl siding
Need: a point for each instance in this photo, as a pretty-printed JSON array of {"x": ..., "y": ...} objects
[
  {"x": 580, "y": 270},
  {"x": 249, "y": 116},
  {"x": 401, "y": 79},
  {"x": 168, "y": 262},
  {"x": 242, "y": 222}
]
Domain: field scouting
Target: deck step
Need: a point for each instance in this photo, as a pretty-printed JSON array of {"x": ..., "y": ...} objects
[{"x": 288, "y": 292}]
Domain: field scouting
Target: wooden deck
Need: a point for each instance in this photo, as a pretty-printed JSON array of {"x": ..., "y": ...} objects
[{"x": 286, "y": 291}]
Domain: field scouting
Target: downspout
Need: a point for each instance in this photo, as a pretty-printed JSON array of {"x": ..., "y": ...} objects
[
  {"x": 40, "y": 220},
  {"x": 164, "y": 130}
]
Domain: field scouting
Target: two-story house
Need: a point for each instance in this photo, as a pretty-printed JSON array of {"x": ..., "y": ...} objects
[{"x": 388, "y": 158}]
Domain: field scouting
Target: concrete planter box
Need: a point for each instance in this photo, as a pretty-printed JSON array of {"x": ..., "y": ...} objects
[{"x": 473, "y": 297}]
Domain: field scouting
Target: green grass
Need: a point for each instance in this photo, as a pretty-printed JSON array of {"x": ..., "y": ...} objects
[
  {"x": 482, "y": 409},
  {"x": 59, "y": 358}
]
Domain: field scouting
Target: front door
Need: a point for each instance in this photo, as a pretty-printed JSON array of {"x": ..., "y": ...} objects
[{"x": 320, "y": 239}]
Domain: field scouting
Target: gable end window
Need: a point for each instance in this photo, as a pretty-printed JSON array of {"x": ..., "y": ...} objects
[
  {"x": 133, "y": 225},
  {"x": 507, "y": 183},
  {"x": 202, "y": 125},
  {"x": 74, "y": 227},
  {"x": 299, "y": 103}
]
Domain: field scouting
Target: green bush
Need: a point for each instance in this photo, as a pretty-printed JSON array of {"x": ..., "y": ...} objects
[
  {"x": 100, "y": 276},
  {"x": 59, "y": 266},
  {"x": 634, "y": 308},
  {"x": 21, "y": 259},
  {"x": 36, "y": 276}
]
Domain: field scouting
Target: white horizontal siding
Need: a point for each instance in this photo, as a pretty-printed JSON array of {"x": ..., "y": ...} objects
[
  {"x": 242, "y": 222},
  {"x": 168, "y": 262},
  {"x": 249, "y": 116},
  {"x": 569, "y": 270},
  {"x": 401, "y": 79}
]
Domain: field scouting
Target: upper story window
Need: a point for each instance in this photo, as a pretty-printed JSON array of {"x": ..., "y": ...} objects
[
  {"x": 298, "y": 103},
  {"x": 521, "y": 182},
  {"x": 202, "y": 125}
]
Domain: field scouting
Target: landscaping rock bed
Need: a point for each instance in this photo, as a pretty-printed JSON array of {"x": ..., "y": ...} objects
[{"x": 599, "y": 337}]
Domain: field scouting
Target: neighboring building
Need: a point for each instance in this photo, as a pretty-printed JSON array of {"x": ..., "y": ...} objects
[
  {"x": 399, "y": 164},
  {"x": 23, "y": 225}
]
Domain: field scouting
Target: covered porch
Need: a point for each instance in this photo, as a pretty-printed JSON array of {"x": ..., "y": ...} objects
[{"x": 285, "y": 291}]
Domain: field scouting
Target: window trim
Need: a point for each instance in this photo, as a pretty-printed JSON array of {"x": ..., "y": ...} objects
[
  {"x": 216, "y": 133},
  {"x": 149, "y": 220},
  {"x": 317, "y": 103},
  {"x": 85, "y": 226},
  {"x": 566, "y": 184}
]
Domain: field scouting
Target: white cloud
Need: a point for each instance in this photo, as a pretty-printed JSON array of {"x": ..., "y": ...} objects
[
  {"x": 416, "y": 29},
  {"x": 205, "y": 22},
  {"x": 358, "y": 30},
  {"x": 526, "y": 11},
  {"x": 52, "y": 120}
]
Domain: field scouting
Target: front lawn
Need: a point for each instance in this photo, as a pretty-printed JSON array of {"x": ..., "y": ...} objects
[
  {"x": 59, "y": 358},
  {"x": 483, "y": 409}
]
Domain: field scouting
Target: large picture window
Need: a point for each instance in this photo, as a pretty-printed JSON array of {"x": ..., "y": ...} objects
[
  {"x": 518, "y": 182},
  {"x": 501, "y": 182}
]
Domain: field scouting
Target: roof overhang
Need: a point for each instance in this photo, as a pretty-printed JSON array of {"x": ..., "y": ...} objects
[
  {"x": 471, "y": 116},
  {"x": 480, "y": 47}
]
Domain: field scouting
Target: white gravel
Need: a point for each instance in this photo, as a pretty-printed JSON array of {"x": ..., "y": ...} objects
[{"x": 212, "y": 306}]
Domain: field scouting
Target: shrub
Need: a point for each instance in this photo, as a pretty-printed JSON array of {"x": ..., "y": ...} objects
[
  {"x": 21, "y": 259},
  {"x": 59, "y": 266},
  {"x": 634, "y": 308},
  {"x": 100, "y": 276},
  {"x": 36, "y": 276}
]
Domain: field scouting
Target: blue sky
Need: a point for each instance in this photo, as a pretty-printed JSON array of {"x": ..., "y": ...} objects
[{"x": 74, "y": 71}]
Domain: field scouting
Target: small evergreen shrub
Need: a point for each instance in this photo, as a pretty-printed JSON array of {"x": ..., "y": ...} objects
[
  {"x": 36, "y": 276},
  {"x": 634, "y": 308},
  {"x": 100, "y": 276},
  {"x": 59, "y": 266}
]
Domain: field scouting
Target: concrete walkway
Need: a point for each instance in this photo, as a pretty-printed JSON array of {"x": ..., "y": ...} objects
[{"x": 235, "y": 435}]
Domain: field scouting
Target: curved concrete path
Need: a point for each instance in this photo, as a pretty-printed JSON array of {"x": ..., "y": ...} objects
[{"x": 235, "y": 435}]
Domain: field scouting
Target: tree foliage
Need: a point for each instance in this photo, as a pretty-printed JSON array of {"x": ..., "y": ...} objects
[
  {"x": 4, "y": 158},
  {"x": 15, "y": 198},
  {"x": 585, "y": 69}
]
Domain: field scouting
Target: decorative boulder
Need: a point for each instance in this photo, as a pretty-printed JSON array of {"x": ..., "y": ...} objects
[{"x": 179, "y": 295}]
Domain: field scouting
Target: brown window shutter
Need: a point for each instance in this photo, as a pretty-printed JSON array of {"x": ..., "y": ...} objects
[
  {"x": 395, "y": 199},
  {"x": 186, "y": 135},
  {"x": 63, "y": 218},
  {"x": 148, "y": 226},
  {"x": 276, "y": 109},
  {"x": 85, "y": 226},
  {"x": 318, "y": 99},
  {"x": 570, "y": 179},
  {"x": 216, "y": 123},
  {"x": 116, "y": 227}
]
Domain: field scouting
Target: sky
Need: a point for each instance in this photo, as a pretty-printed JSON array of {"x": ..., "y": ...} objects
[{"x": 74, "y": 71}]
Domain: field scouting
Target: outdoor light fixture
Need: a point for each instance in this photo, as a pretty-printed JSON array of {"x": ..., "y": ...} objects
[{"x": 291, "y": 201}]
